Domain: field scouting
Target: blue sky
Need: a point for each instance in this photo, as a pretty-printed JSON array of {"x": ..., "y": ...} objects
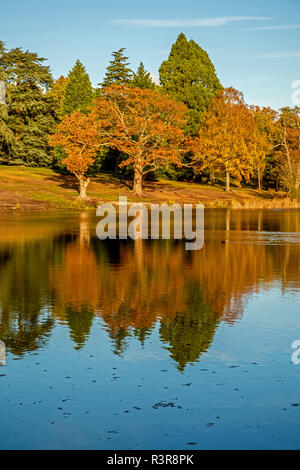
[{"x": 254, "y": 44}]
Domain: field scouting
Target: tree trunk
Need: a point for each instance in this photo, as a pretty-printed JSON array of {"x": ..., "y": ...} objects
[
  {"x": 259, "y": 178},
  {"x": 83, "y": 184},
  {"x": 297, "y": 181},
  {"x": 227, "y": 181},
  {"x": 117, "y": 168},
  {"x": 137, "y": 183},
  {"x": 290, "y": 172}
]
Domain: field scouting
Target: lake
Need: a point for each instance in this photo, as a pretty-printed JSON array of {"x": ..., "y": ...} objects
[{"x": 144, "y": 345}]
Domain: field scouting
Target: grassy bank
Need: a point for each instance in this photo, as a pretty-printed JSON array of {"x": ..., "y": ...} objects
[{"x": 42, "y": 189}]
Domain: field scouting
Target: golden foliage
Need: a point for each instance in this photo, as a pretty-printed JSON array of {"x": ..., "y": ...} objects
[
  {"x": 229, "y": 140},
  {"x": 79, "y": 135}
]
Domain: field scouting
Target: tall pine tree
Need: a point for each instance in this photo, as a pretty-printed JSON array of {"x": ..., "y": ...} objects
[
  {"x": 6, "y": 135},
  {"x": 78, "y": 92},
  {"x": 142, "y": 78},
  {"x": 29, "y": 115},
  {"x": 118, "y": 72},
  {"x": 189, "y": 76}
]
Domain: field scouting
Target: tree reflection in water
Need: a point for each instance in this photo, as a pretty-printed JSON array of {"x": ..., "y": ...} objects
[{"x": 70, "y": 276}]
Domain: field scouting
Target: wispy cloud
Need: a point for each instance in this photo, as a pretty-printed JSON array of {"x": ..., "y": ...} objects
[
  {"x": 273, "y": 28},
  {"x": 279, "y": 55},
  {"x": 194, "y": 22}
]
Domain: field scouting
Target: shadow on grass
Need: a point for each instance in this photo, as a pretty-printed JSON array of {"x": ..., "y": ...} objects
[
  {"x": 113, "y": 180},
  {"x": 69, "y": 181},
  {"x": 64, "y": 181},
  {"x": 262, "y": 194}
]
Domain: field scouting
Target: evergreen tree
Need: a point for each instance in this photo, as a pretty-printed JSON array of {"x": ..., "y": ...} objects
[
  {"x": 2, "y": 71},
  {"x": 118, "y": 72},
  {"x": 78, "y": 92},
  {"x": 190, "y": 77},
  {"x": 142, "y": 78},
  {"x": 6, "y": 136},
  {"x": 29, "y": 115}
]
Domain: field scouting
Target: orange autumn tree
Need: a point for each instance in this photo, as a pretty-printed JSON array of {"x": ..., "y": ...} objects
[
  {"x": 269, "y": 129},
  {"x": 229, "y": 142},
  {"x": 143, "y": 124},
  {"x": 80, "y": 137},
  {"x": 289, "y": 150}
]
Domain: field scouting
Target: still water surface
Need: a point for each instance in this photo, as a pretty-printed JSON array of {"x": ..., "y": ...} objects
[{"x": 144, "y": 345}]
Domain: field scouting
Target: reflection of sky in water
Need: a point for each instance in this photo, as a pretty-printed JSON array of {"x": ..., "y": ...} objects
[
  {"x": 2, "y": 353},
  {"x": 267, "y": 238}
]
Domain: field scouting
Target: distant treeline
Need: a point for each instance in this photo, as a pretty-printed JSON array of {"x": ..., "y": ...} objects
[{"x": 186, "y": 128}]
